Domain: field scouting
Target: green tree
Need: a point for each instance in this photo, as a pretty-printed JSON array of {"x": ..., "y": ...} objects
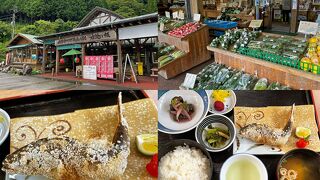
[{"x": 5, "y": 31}]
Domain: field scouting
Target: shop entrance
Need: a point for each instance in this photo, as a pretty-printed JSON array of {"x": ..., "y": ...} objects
[{"x": 281, "y": 15}]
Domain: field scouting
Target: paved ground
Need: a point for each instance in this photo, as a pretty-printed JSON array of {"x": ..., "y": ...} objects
[{"x": 9, "y": 81}]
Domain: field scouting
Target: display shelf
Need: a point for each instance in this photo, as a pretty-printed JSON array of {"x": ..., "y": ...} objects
[
  {"x": 294, "y": 78},
  {"x": 193, "y": 44}
]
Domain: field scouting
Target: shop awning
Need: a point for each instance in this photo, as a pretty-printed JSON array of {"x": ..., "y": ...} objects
[
  {"x": 19, "y": 46},
  {"x": 71, "y": 53},
  {"x": 71, "y": 46}
]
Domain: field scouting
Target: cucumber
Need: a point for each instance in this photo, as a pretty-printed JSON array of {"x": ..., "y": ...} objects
[
  {"x": 165, "y": 61},
  {"x": 262, "y": 84}
]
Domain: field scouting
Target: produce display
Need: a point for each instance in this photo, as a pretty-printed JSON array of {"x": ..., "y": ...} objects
[
  {"x": 311, "y": 61},
  {"x": 168, "y": 53},
  {"x": 170, "y": 24},
  {"x": 238, "y": 38},
  {"x": 218, "y": 76},
  {"x": 282, "y": 50},
  {"x": 180, "y": 109},
  {"x": 185, "y": 30}
]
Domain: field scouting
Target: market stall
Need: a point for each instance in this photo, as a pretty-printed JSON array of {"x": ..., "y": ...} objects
[
  {"x": 105, "y": 33},
  {"x": 25, "y": 49},
  {"x": 206, "y": 135},
  {"x": 275, "y": 57}
]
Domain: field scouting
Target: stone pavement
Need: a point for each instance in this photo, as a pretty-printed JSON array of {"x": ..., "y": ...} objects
[{"x": 10, "y": 81}]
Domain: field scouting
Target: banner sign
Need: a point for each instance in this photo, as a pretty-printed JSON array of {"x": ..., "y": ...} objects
[{"x": 87, "y": 38}]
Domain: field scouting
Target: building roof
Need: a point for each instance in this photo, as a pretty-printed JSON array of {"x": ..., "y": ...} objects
[
  {"x": 32, "y": 39},
  {"x": 138, "y": 20},
  {"x": 95, "y": 12}
]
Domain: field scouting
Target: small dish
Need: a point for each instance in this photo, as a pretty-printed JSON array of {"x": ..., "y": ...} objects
[
  {"x": 229, "y": 104},
  {"x": 4, "y": 125},
  {"x": 167, "y": 124},
  {"x": 215, "y": 120},
  {"x": 171, "y": 145},
  {"x": 243, "y": 167},
  {"x": 299, "y": 163}
]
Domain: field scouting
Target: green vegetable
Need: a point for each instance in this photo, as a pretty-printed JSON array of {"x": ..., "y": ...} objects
[
  {"x": 262, "y": 84},
  {"x": 216, "y": 137}
]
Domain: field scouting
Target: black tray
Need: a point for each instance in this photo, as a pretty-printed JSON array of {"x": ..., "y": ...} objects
[
  {"x": 255, "y": 99},
  {"x": 59, "y": 103}
]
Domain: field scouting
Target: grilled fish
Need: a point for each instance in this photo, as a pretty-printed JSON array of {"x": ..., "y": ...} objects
[
  {"x": 68, "y": 158},
  {"x": 264, "y": 134}
]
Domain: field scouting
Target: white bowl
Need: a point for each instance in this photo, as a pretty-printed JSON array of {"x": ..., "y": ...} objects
[
  {"x": 166, "y": 121},
  {"x": 228, "y": 105},
  {"x": 4, "y": 126},
  {"x": 257, "y": 162}
]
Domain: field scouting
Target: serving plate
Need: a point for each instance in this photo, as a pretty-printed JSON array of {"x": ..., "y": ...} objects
[
  {"x": 167, "y": 124},
  {"x": 72, "y": 101},
  {"x": 4, "y": 125},
  {"x": 229, "y": 103},
  {"x": 276, "y": 116}
]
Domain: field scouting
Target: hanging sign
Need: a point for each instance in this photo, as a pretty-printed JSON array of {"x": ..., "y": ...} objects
[
  {"x": 255, "y": 23},
  {"x": 175, "y": 15},
  {"x": 189, "y": 80},
  {"x": 181, "y": 15},
  {"x": 168, "y": 14},
  {"x": 306, "y": 27},
  {"x": 87, "y": 38},
  {"x": 161, "y": 27},
  {"x": 196, "y": 17},
  {"x": 90, "y": 72}
]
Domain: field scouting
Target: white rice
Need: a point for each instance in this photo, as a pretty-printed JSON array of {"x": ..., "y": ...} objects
[{"x": 184, "y": 163}]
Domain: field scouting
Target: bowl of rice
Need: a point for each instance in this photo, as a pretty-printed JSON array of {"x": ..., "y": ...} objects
[{"x": 184, "y": 159}]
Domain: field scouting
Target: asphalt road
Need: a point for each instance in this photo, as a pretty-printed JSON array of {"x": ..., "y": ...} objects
[{"x": 15, "y": 82}]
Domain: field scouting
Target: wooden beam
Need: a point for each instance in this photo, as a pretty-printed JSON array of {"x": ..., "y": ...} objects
[
  {"x": 57, "y": 60},
  {"x": 43, "y": 68},
  {"x": 119, "y": 52},
  {"x": 83, "y": 54}
]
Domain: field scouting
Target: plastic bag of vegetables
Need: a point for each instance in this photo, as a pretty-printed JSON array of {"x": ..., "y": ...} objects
[{"x": 262, "y": 84}]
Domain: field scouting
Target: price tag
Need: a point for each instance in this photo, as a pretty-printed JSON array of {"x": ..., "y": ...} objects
[
  {"x": 189, "y": 80},
  {"x": 168, "y": 14},
  {"x": 161, "y": 27},
  {"x": 181, "y": 15},
  {"x": 196, "y": 17},
  {"x": 306, "y": 27},
  {"x": 175, "y": 15},
  {"x": 255, "y": 23}
]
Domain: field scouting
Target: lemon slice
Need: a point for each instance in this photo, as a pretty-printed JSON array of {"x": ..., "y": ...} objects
[
  {"x": 302, "y": 132},
  {"x": 147, "y": 144}
]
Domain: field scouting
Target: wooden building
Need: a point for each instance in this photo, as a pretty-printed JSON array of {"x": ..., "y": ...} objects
[
  {"x": 103, "y": 32},
  {"x": 25, "y": 49}
]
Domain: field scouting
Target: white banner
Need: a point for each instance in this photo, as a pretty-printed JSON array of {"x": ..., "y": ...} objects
[{"x": 140, "y": 31}]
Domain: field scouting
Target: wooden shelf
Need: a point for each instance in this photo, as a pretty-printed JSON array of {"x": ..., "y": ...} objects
[
  {"x": 294, "y": 78},
  {"x": 193, "y": 44}
]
